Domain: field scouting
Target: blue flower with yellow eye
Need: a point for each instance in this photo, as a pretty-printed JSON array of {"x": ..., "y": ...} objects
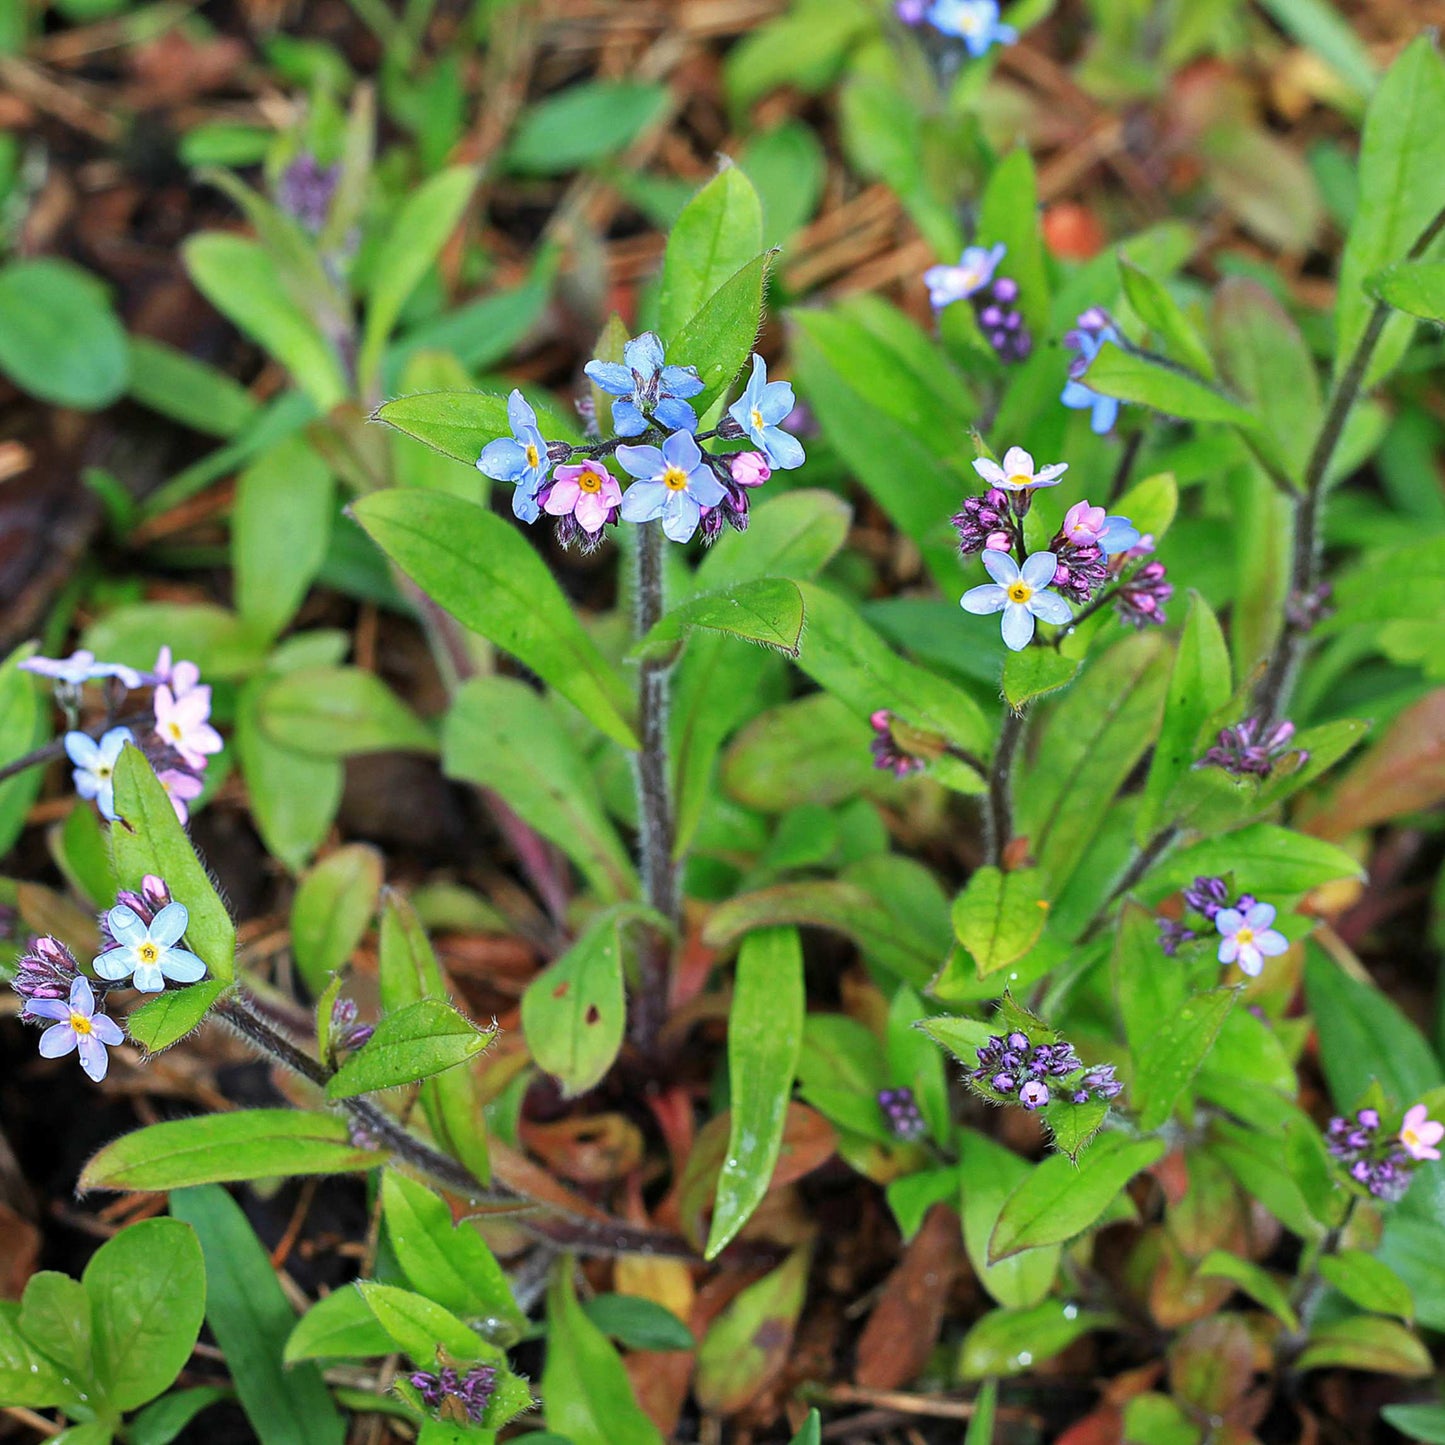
[{"x": 520, "y": 458}]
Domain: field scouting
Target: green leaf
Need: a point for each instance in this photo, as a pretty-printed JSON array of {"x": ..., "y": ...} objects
[
  {"x": 148, "y": 1296},
  {"x": 165, "y": 1020},
  {"x": 1147, "y": 992},
  {"x": 720, "y": 336},
  {"x": 216, "y": 1148},
  {"x": 501, "y": 734},
  {"x": 1164, "y": 1069},
  {"x": 279, "y": 531},
  {"x": 1009, "y": 212},
  {"x": 339, "y": 1327},
  {"x": 584, "y": 122},
  {"x": 1010, "y": 1342},
  {"x": 482, "y": 571},
  {"x": 812, "y": 1431},
  {"x": 1034, "y": 672},
  {"x": 1058, "y": 1200},
  {"x": 1323, "y": 30},
  {"x": 719, "y": 231},
  {"x": 574, "y": 1013},
  {"x": 1134, "y": 377},
  {"x": 1366, "y": 1342},
  {"x": 1091, "y": 742},
  {"x": 1401, "y": 191},
  {"x": 216, "y": 640},
  {"x": 1275, "y": 860},
  {"x": 795, "y": 534},
  {"x": 1254, "y": 1160},
  {"x": 1073, "y": 1127},
  {"x": 332, "y": 910},
  {"x": 1417, "y": 287},
  {"x": 1162, "y": 314},
  {"x": 423, "y": 1039},
  {"x": 55, "y": 1318},
  {"x": 747, "y": 1345},
  {"x": 1418, "y": 1422},
  {"x": 161, "y": 1422},
  {"x": 812, "y": 752},
  {"x": 27, "y": 1377},
  {"x": 149, "y": 839},
  {"x": 241, "y": 280},
  {"x": 768, "y": 611},
  {"x": 989, "y": 1175},
  {"x": 1199, "y": 686},
  {"x": 638, "y": 1323},
  {"x": 447, "y": 1262},
  {"x": 22, "y": 727},
  {"x": 765, "y": 1040},
  {"x": 424, "y": 221},
  {"x": 409, "y": 968},
  {"x": 60, "y": 340},
  {"x": 1368, "y": 1282},
  {"x": 999, "y": 916},
  {"x": 339, "y": 712},
  {"x": 847, "y": 658},
  {"x": 1257, "y": 1283},
  {"x": 458, "y": 424},
  {"x": 586, "y": 1395},
  {"x": 980, "y": 1428},
  {"x": 186, "y": 390},
  {"x": 251, "y": 1319}
]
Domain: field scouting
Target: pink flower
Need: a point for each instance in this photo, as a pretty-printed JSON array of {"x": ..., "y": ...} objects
[
  {"x": 182, "y": 789},
  {"x": 180, "y": 677},
  {"x": 181, "y": 723},
  {"x": 588, "y": 492},
  {"x": 1420, "y": 1133},
  {"x": 750, "y": 469},
  {"x": 1083, "y": 523}
]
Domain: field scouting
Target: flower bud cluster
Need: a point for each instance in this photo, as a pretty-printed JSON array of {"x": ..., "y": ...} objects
[
  {"x": 1378, "y": 1164},
  {"x": 1035, "y": 1075},
  {"x": 472, "y": 1390},
  {"x": 900, "y": 1109},
  {"x": 1250, "y": 749}
]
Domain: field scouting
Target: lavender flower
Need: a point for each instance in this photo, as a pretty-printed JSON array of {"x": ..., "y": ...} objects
[
  {"x": 1247, "y": 749},
  {"x": 1093, "y": 329},
  {"x": 182, "y": 788},
  {"x": 674, "y": 484},
  {"x": 1140, "y": 600},
  {"x": 1246, "y": 937},
  {"x": 520, "y": 458},
  {"x": 80, "y": 667},
  {"x": 95, "y": 764},
  {"x": 1020, "y": 593},
  {"x": 647, "y": 391},
  {"x": 760, "y": 412},
  {"x": 1034, "y": 1095},
  {"x": 1018, "y": 472},
  {"x": 975, "y": 22},
  {"x": 901, "y": 1110},
  {"x": 78, "y": 1029},
  {"x": 974, "y": 271},
  {"x": 888, "y": 756},
  {"x": 146, "y": 952}
]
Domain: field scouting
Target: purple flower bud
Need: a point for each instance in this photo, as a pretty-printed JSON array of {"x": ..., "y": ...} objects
[
  {"x": 305, "y": 190},
  {"x": 1034, "y": 1095},
  {"x": 1003, "y": 1083},
  {"x": 45, "y": 970},
  {"x": 1016, "y": 1040},
  {"x": 1245, "y": 748},
  {"x": 428, "y": 1386},
  {"x": 1173, "y": 935},
  {"x": 1140, "y": 601},
  {"x": 1368, "y": 1119},
  {"x": 1207, "y": 896},
  {"x": 750, "y": 469},
  {"x": 888, "y": 755},
  {"x": 1006, "y": 290},
  {"x": 900, "y": 1109}
]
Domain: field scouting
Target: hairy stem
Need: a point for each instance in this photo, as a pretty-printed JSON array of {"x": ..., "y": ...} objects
[
  {"x": 56, "y": 749},
  {"x": 1143, "y": 861},
  {"x": 998, "y": 801},
  {"x": 654, "y": 801},
  {"x": 1278, "y": 681}
]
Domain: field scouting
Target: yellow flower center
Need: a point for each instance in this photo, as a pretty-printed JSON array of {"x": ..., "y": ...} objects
[
  {"x": 174, "y": 731},
  {"x": 103, "y": 770},
  {"x": 589, "y": 481},
  {"x": 1244, "y": 936},
  {"x": 1020, "y": 479},
  {"x": 533, "y": 458},
  {"x": 148, "y": 953},
  {"x": 1408, "y": 1137},
  {"x": 674, "y": 479},
  {"x": 79, "y": 1022},
  {"x": 1019, "y": 591},
  {"x": 757, "y": 419}
]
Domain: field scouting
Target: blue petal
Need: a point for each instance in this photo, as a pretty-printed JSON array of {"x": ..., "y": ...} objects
[
  {"x": 524, "y": 504},
  {"x": 82, "y": 749},
  {"x": 675, "y": 415},
  {"x": 645, "y": 462},
  {"x": 112, "y": 744},
  {"x": 756, "y": 382},
  {"x": 615, "y": 380},
  {"x": 520, "y": 414},
  {"x": 643, "y": 354},
  {"x": 627, "y": 421},
  {"x": 105, "y": 800},
  {"x": 680, "y": 517},
  {"x": 776, "y": 402},
  {"x": 680, "y": 450},
  {"x": 643, "y": 501},
  {"x": 784, "y": 452},
  {"x": 703, "y": 486},
  {"x": 1106, "y": 413},
  {"x": 503, "y": 460},
  {"x": 681, "y": 381}
]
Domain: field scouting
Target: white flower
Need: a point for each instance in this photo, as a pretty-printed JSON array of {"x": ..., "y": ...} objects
[
  {"x": 148, "y": 950},
  {"x": 1019, "y": 593},
  {"x": 95, "y": 762},
  {"x": 1017, "y": 473}
]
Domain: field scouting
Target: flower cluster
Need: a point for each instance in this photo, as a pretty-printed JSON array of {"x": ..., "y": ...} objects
[
  {"x": 1250, "y": 748},
  {"x": 1243, "y": 927},
  {"x": 1381, "y": 1163},
  {"x": 141, "y": 937},
  {"x": 305, "y": 190},
  {"x": 994, "y": 299},
  {"x": 1092, "y": 329},
  {"x": 674, "y": 481},
  {"x": 975, "y": 22},
  {"x": 472, "y": 1391},
  {"x": 178, "y": 742},
  {"x": 900, "y": 1109},
  {"x": 1035, "y": 1074}
]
